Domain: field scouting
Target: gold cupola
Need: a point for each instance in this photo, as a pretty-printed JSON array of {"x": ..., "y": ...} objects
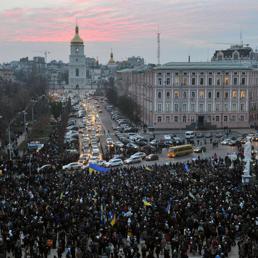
[{"x": 76, "y": 39}]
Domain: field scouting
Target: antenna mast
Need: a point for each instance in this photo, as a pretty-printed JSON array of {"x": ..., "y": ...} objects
[{"x": 158, "y": 50}]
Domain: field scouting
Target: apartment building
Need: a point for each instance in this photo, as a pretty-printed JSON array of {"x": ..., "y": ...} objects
[{"x": 194, "y": 95}]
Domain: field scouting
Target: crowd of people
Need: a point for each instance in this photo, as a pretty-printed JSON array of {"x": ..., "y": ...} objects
[
  {"x": 130, "y": 212},
  {"x": 176, "y": 209}
]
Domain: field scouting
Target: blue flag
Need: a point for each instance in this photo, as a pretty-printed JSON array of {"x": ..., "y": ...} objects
[{"x": 186, "y": 168}]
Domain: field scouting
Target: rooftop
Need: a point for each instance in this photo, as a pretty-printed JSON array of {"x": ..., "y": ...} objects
[{"x": 205, "y": 66}]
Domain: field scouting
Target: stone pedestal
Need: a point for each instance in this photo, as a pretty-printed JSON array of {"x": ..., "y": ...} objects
[{"x": 246, "y": 179}]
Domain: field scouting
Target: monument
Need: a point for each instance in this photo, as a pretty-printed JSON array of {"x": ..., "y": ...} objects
[{"x": 246, "y": 177}]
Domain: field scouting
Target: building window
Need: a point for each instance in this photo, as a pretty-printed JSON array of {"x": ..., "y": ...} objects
[
  {"x": 176, "y": 107},
  {"x": 242, "y": 118},
  {"x": 168, "y": 94},
  {"x": 176, "y": 118},
  {"x": 184, "y": 119},
  {"x": 209, "y": 95},
  {"x": 167, "y": 107},
  {"x": 234, "y": 94},
  {"x": 243, "y": 81},
  {"x": 217, "y": 107},
  {"x": 201, "y": 107},
  {"x": 226, "y": 80},
  {"x": 233, "y": 118},
  {"x": 217, "y": 118},
  {"x": 234, "y": 107},
  {"x": 225, "y": 94},
  {"x": 209, "y": 107},
  {"x": 184, "y": 81},
  {"x": 193, "y": 94},
  {"x": 217, "y": 94},
  {"x": 177, "y": 80},
  {"x": 192, "y": 107},
  {"x": 167, "y": 119},
  {"x": 201, "y": 81},
  {"x": 226, "y": 107},
  {"x": 193, "y": 81},
  {"x": 159, "y": 119},
  {"x": 176, "y": 94},
  {"x": 218, "y": 82},
  {"x": 77, "y": 72},
  {"x": 210, "y": 81},
  {"x": 185, "y": 94},
  {"x": 160, "y": 81},
  {"x": 242, "y": 107},
  {"x": 159, "y": 107},
  {"x": 242, "y": 94},
  {"x": 168, "y": 81},
  {"x": 235, "y": 55},
  {"x": 201, "y": 94},
  {"x": 235, "y": 81},
  {"x": 159, "y": 95},
  {"x": 184, "y": 107},
  {"x": 225, "y": 118}
]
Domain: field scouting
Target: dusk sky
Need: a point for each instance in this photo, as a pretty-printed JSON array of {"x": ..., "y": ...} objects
[{"x": 129, "y": 27}]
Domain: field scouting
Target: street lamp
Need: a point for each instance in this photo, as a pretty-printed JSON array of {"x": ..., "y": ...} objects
[
  {"x": 33, "y": 101},
  {"x": 24, "y": 119}
]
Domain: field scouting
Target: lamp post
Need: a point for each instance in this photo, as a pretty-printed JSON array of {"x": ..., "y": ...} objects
[
  {"x": 24, "y": 119},
  {"x": 33, "y": 101}
]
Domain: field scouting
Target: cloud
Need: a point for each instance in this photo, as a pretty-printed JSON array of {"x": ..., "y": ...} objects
[{"x": 124, "y": 20}]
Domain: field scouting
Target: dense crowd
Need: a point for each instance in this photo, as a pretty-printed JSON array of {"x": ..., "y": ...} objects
[{"x": 199, "y": 207}]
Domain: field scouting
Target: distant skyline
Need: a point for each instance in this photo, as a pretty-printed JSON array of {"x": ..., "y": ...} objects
[{"x": 129, "y": 27}]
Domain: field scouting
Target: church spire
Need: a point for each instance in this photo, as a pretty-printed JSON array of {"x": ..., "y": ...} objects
[
  {"x": 111, "y": 60},
  {"x": 76, "y": 39}
]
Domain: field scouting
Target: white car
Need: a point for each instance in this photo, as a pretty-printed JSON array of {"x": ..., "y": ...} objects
[
  {"x": 44, "y": 167},
  {"x": 114, "y": 163},
  {"x": 139, "y": 154},
  {"x": 154, "y": 142},
  {"x": 72, "y": 166},
  {"x": 189, "y": 135},
  {"x": 109, "y": 141},
  {"x": 119, "y": 144},
  {"x": 225, "y": 142},
  {"x": 132, "y": 160}
]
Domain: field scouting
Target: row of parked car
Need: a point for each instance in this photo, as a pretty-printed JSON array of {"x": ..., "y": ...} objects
[{"x": 123, "y": 124}]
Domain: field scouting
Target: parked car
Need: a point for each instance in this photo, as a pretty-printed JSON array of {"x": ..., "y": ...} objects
[
  {"x": 44, "y": 168},
  {"x": 189, "y": 134},
  {"x": 208, "y": 135},
  {"x": 132, "y": 160},
  {"x": 219, "y": 135},
  {"x": 72, "y": 166},
  {"x": 199, "y": 135},
  {"x": 199, "y": 149},
  {"x": 114, "y": 163},
  {"x": 139, "y": 154},
  {"x": 225, "y": 142},
  {"x": 152, "y": 157}
]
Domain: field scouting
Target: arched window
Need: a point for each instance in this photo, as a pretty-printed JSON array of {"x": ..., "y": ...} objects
[
  {"x": 220, "y": 56},
  {"x": 235, "y": 55},
  {"x": 77, "y": 72}
]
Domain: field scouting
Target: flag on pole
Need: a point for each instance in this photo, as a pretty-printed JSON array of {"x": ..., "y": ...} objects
[
  {"x": 186, "y": 168},
  {"x": 146, "y": 203},
  {"x": 113, "y": 221}
]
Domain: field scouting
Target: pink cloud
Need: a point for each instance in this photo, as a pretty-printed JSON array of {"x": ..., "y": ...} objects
[{"x": 122, "y": 20}]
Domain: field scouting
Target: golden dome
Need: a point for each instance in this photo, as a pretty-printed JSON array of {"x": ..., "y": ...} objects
[{"x": 76, "y": 39}]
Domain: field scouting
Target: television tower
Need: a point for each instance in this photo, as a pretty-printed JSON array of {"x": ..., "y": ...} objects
[{"x": 158, "y": 50}]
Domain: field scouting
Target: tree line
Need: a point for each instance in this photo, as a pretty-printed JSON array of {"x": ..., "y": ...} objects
[{"x": 124, "y": 103}]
